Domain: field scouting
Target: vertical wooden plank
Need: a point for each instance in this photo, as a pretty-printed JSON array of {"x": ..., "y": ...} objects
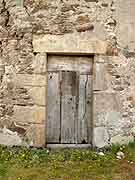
[
  {"x": 82, "y": 121},
  {"x": 53, "y": 109},
  {"x": 68, "y": 107},
  {"x": 84, "y": 109}
]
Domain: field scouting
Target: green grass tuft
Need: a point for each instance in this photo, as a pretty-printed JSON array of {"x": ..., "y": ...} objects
[{"x": 20, "y": 163}]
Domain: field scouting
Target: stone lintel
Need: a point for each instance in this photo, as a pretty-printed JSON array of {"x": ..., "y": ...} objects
[{"x": 69, "y": 44}]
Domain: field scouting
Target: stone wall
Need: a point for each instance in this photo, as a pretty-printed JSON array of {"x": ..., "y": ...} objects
[{"x": 23, "y": 70}]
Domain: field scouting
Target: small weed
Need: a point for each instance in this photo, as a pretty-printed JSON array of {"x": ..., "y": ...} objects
[
  {"x": 21, "y": 163},
  {"x": 3, "y": 170}
]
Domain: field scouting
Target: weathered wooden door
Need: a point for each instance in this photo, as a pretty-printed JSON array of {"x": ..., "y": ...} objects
[{"x": 69, "y": 105}]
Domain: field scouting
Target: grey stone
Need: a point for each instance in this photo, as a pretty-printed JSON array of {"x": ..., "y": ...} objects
[
  {"x": 10, "y": 140},
  {"x": 133, "y": 131},
  {"x": 100, "y": 137},
  {"x": 120, "y": 155},
  {"x": 122, "y": 139},
  {"x": 101, "y": 154},
  {"x": 100, "y": 77}
]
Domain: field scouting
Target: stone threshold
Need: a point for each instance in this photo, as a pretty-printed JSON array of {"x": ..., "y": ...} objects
[{"x": 61, "y": 146}]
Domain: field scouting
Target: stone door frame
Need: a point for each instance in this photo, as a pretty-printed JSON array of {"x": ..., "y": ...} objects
[{"x": 72, "y": 45}]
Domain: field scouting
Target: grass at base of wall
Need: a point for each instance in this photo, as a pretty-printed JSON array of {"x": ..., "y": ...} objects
[{"x": 67, "y": 164}]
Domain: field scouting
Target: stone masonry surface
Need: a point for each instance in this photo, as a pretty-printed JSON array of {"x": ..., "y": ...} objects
[{"x": 23, "y": 70}]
